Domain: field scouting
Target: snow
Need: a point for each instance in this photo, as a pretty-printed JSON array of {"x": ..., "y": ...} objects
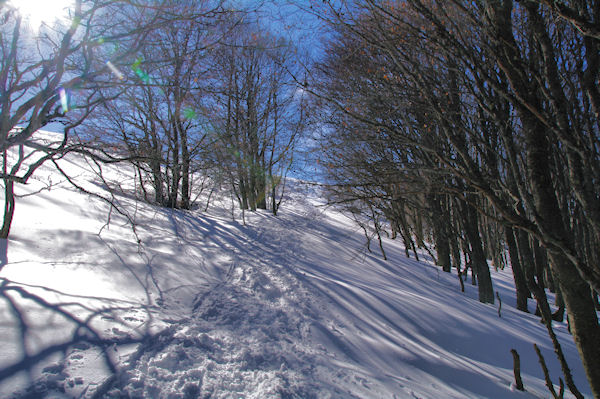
[{"x": 197, "y": 305}]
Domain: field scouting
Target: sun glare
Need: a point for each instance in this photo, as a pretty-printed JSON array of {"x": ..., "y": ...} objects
[{"x": 39, "y": 12}]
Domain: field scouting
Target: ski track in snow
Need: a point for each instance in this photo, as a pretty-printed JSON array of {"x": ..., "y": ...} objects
[{"x": 278, "y": 307}]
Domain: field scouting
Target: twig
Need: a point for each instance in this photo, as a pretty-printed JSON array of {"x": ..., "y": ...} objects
[{"x": 547, "y": 375}]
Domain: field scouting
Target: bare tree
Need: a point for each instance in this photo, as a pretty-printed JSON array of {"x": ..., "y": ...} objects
[
  {"x": 61, "y": 74},
  {"x": 160, "y": 121},
  {"x": 262, "y": 114},
  {"x": 507, "y": 116}
]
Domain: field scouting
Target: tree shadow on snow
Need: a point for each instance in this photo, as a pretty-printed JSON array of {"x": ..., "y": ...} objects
[
  {"x": 84, "y": 329},
  {"x": 3, "y": 252}
]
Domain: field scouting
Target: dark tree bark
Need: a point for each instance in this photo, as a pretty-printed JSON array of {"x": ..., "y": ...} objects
[
  {"x": 517, "y": 370},
  {"x": 175, "y": 169},
  {"x": 582, "y": 315},
  {"x": 157, "y": 174},
  {"x": 9, "y": 208},
  {"x": 518, "y": 274},
  {"x": 478, "y": 260},
  {"x": 439, "y": 226},
  {"x": 559, "y": 314},
  {"x": 185, "y": 170},
  {"x": 549, "y": 143}
]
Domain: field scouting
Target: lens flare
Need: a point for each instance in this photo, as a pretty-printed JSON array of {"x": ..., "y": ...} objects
[
  {"x": 114, "y": 70},
  {"x": 64, "y": 100}
]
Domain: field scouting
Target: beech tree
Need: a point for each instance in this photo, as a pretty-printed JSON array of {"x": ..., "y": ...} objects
[
  {"x": 257, "y": 112},
  {"x": 494, "y": 102},
  {"x": 159, "y": 120},
  {"x": 61, "y": 74}
]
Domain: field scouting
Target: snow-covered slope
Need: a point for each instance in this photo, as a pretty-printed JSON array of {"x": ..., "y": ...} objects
[{"x": 197, "y": 305}]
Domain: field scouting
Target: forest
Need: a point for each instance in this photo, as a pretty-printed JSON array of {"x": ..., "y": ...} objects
[{"x": 467, "y": 130}]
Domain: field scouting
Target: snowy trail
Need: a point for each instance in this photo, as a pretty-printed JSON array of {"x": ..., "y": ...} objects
[
  {"x": 248, "y": 334},
  {"x": 280, "y": 307},
  {"x": 300, "y": 315}
]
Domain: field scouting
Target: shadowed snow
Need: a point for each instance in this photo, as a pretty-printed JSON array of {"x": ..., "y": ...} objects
[{"x": 198, "y": 305}]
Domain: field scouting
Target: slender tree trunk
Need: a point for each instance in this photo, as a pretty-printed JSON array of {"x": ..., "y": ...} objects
[
  {"x": 155, "y": 166},
  {"x": 175, "y": 169},
  {"x": 528, "y": 262},
  {"x": 274, "y": 207},
  {"x": 559, "y": 315},
  {"x": 140, "y": 177},
  {"x": 541, "y": 263},
  {"x": 455, "y": 233},
  {"x": 261, "y": 186},
  {"x": 252, "y": 189},
  {"x": 185, "y": 170},
  {"x": 518, "y": 275},
  {"x": 442, "y": 245},
  {"x": 419, "y": 229},
  {"x": 406, "y": 235},
  {"x": 9, "y": 197},
  {"x": 478, "y": 260},
  {"x": 243, "y": 192},
  {"x": 581, "y": 312},
  {"x": 9, "y": 208},
  {"x": 582, "y": 315}
]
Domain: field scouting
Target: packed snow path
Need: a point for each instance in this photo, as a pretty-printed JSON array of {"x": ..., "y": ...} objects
[{"x": 279, "y": 307}]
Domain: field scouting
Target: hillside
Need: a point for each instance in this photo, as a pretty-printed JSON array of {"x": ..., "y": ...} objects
[{"x": 197, "y": 304}]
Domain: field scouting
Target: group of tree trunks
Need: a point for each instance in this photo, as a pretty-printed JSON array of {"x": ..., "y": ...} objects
[
  {"x": 193, "y": 94},
  {"x": 213, "y": 99},
  {"x": 475, "y": 126}
]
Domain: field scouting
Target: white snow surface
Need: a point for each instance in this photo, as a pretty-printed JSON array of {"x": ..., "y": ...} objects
[{"x": 198, "y": 305}]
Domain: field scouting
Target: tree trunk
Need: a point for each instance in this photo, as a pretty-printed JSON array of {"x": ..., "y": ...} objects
[
  {"x": 261, "y": 187},
  {"x": 581, "y": 312},
  {"x": 155, "y": 165},
  {"x": 406, "y": 235},
  {"x": 541, "y": 263},
  {"x": 442, "y": 245},
  {"x": 582, "y": 315},
  {"x": 519, "y": 276},
  {"x": 157, "y": 180},
  {"x": 526, "y": 255},
  {"x": 517, "y": 370},
  {"x": 9, "y": 207},
  {"x": 559, "y": 315},
  {"x": 185, "y": 170},
  {"x": 478, "y": 260},
  {"x": 456, "y": 237},
  {"x": 243, "y": 192},
  {"x": 175, "y": 169},
  {"x": 419, "y": 229},
  {"x": 274, "y": 207}
]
